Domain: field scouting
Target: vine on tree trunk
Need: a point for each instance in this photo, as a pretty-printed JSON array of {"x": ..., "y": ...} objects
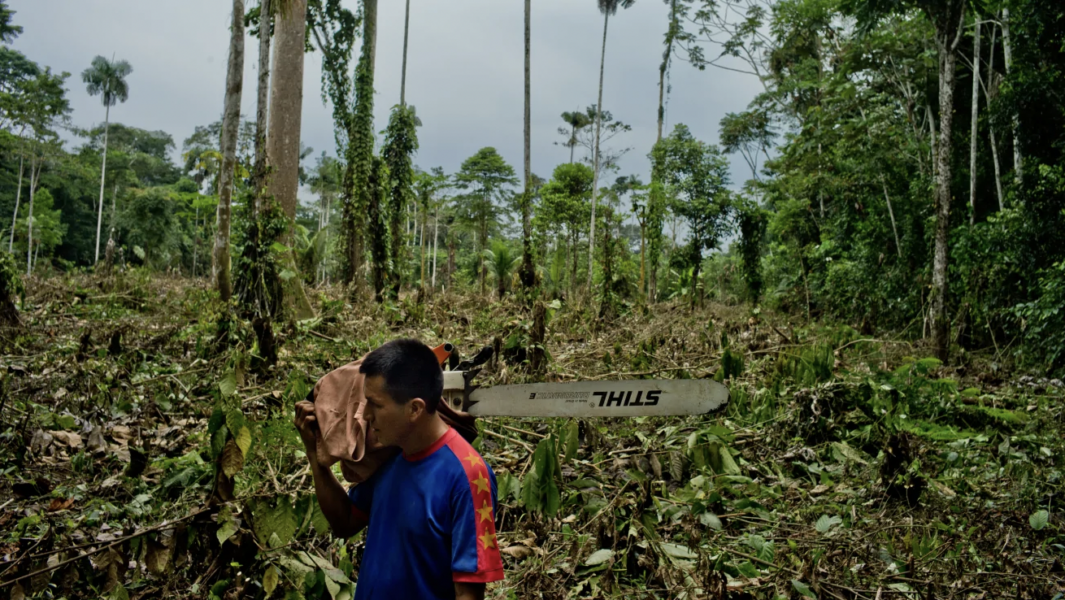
[{"x": 400, "y": 144}]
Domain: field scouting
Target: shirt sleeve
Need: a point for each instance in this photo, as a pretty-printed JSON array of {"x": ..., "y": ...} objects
[
  {"x": 361, "y": 496},
  {"x": 474, "y": 549}
]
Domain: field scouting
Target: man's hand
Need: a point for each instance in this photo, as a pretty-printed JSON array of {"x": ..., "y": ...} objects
[
  {"x": 332, "y": 498},
  {"x": 469, "y": 591},
  {"x": 307, "y": 424}
]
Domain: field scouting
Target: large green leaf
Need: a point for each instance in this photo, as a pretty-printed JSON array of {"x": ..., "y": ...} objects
[
  {"x": 1039, "y": 519},
  {"x": 273, "y": 519}
]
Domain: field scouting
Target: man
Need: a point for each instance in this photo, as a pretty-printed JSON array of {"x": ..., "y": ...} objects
[{"x": 430, "y": 511}]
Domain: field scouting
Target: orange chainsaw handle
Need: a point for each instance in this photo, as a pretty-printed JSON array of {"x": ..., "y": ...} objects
[{"x": 442, "y": 352}]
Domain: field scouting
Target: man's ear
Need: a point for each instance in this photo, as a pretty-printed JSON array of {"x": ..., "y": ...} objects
[{"x": 417, "y": 408}]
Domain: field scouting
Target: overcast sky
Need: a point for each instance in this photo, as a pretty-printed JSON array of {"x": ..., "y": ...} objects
[{"x": 464, "y": 72}]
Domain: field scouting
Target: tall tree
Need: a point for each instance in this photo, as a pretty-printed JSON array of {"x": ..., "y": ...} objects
[
  {"x": 400, "y": 144},
  {"x": 485, "y": 176},
  {"x": 654, "y": 211},
  {"x": 577, "y": 121},
  {"x": 357, "y": 193},
  {"x": 528, "y": 272},
  {"x": 974, "y": 122},
  {"x": 564, "y": 209},
  {"x": 696, "y": 175},
  {"x": 106, "y": 78},
  {"x": 948, "y": 20},
  {"x": 403, "y": 78},
  {"x": 608, "y": 8},
  {"x": 262, "y": 95},
  {"x": 230, "y": 131},
  {"x": 283, "y": 143}
]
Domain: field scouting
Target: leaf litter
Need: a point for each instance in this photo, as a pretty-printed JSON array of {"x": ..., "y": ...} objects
[{"x": 842, "y": 468}]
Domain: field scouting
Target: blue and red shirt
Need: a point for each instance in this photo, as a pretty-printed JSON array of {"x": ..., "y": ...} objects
[{"x": 431, "y": 523}]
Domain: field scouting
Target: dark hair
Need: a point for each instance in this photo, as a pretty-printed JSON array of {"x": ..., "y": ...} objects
[{"x": 410, "y": 370}]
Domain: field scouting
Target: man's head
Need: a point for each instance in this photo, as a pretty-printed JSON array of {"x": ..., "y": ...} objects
[{"x": 404, "y": 383}]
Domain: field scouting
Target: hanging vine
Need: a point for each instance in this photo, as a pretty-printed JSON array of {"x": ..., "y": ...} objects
[
  {"x": 400, "y": 144},
  {"x": 334, "y": 30}
]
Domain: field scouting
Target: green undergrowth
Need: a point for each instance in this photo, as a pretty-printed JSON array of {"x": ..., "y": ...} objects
[{"x": 133, "y": 427}]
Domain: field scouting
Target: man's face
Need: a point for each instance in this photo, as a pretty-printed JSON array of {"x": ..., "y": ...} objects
[{"x": 390, "y": 420}]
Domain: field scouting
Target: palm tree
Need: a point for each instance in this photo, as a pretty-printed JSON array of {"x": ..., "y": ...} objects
[
  {"x": 500, "y": 260},
  {"x": 106, "y": 78},
  {"x": 403, "y": 79},
  {"x": 607, "y": 7},
  {"x": 230, "y": 125},
  {"x": 577, "y": 121},
  {"x": 528, "y": 272}
]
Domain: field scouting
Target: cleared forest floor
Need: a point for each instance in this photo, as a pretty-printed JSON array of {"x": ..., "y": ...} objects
[{"x": 844, "y": 467}]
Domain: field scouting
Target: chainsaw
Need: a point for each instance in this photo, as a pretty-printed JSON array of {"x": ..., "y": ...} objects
[{"x": 625, "y": 398}]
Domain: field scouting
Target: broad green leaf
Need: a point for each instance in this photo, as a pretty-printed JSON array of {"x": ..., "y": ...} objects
[
  {"x": 748, "y": 570},
  {"x": 270, "y": 519},
  {"x": 1039, "y": 519},
  {"x": 244, "y": 441},
  {"x": 218, "y": 441},
  {"x": 270, "y": 578},
  {"x": 842, "y": 449},
  {"x": 825, "y": 523},
  {"x": 228, "y": 527},
  {"x": 710, "y": 520},
  {"x": 228, "y": 384},
  {"x": 286, "y": 274},
  {"x": 599, "y": 557},
  {"x": 279, "y": 247},
  {"x": 678, "y": 551},
  {"x": 572, "y": 433},
  {"x": 803, "y": 589},
  {"x": 234, "y": 420}
]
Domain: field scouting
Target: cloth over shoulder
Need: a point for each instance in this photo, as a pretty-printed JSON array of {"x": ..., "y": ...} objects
[{"x": 339, "y": 402}]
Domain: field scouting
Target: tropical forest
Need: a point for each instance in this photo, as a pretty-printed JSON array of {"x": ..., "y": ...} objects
[{"x": 842, "y": 222}]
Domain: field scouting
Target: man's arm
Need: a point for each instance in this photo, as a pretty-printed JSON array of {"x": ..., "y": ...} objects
[
  {"x": 334, "y": 501},
  {"x": 469, "y": 591}
]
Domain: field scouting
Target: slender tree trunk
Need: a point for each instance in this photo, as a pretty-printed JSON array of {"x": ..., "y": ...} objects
[
  {"x": 998, "y": 169},
  {"x": 262, "y": 96},
  {"x": 421, "y": 246},
  {"x": 357, "y": 197},
  {"x": 947, "y": 40},
  {"x": 403, "y": 79},
  {"x": 973, "y": 132},
  {"x": 528, "y": 273},
  {"x": 18, "y": 198},
  {"x": 195, "y": 241},
  {"x": 991, "y": 81},
  {"x": 891, "y": 213},
  {"x": 1007, "y": 52},
  {"x": 29, "y": 218},
  {"x": 654, "y": 197},
  {"x": 103, "y": 175},
  {"x": 642, "y": 267},
  {"x": 114, "y": 202},
  {"x": 436, "y": 231},
  {"x": 480, "y": 251},
  {"x": 230, "y": 127},
  {"x": 932, "y": 139},
  {"x": 595, "y": 173},
  {"x": 283, "y": 145}
]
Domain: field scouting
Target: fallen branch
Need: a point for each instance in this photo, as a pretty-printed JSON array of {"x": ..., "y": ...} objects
[{"x": 164, "y": 525}]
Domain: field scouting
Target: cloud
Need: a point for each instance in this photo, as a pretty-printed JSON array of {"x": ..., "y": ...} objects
[{"x": 465, "y": 72}]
